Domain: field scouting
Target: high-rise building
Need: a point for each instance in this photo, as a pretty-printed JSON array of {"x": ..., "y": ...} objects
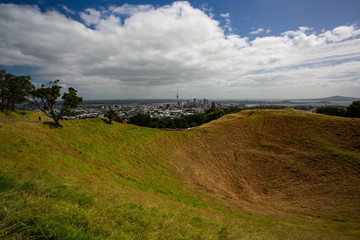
[
  {"x": 177, "y": 98},
  {"x": 206, "y": 102}
]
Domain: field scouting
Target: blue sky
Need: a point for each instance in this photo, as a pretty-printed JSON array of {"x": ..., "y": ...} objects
[
  {"x": 247, "y": 15},
  {"x": 214, "y": 49}
]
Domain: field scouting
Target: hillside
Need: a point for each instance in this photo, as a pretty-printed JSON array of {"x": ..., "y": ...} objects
[
  {"x": 22, "y": 116},
  {"x": 280, "y": 174},
  {"x": 287, "y": 160}
]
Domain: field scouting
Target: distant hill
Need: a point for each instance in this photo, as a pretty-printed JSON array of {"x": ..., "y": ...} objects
[
  {"x": 264, "y": 174},
  {"x": 334, "y": 98}
]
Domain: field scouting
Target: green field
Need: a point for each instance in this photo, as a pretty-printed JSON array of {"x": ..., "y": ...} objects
[{"x": 279, "y": 174}]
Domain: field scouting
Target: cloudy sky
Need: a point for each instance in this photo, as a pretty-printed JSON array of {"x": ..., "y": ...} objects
[{"x": 249, "y": 49}]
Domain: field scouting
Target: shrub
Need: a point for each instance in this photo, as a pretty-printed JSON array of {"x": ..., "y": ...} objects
[{"x": 331, "y": 110}]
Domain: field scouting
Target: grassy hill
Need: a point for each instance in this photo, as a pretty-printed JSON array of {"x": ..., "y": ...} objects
[
  {"x": 280, "y": 174},
  {"x": 22, "y": 116}
]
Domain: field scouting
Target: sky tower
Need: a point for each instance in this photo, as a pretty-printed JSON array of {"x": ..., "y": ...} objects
[{"x": 177, "y": 98}]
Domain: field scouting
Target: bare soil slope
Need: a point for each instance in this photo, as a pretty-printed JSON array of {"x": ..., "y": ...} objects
[{"x": 276, "y": 162}]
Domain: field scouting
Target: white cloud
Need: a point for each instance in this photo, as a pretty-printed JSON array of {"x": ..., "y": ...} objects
[
  {"x": 146, "y": 51},
  {"x": 227, "y": 25},
  {"x": 66, "y": 9},
  {"x": 341, "y": 33},
  {"x": 91, "y": 16},
  {"x": 259, "y": 30},
  {"x": 208, "y": 10},
  {"x": 129, "y": 9}
]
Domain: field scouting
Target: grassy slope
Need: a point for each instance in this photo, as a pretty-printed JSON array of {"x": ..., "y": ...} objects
[
  {"x": 95, "y": 180},
  {"x": 291, "y": 160},
  {"x": 22, "y": 116},
  {"x": 283, "y": 163}
]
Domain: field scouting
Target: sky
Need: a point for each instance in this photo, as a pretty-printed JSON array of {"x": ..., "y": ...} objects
[{"x": 248, "y": 49}]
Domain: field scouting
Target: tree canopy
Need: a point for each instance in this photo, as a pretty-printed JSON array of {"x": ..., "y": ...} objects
[
  {"x": 46, "y": 96},
  {"x": 13, "y": 90},
  {"x": 179, "y": 123},
  {"x": 353, "y": 110},
  {"x": 110, "y": 114},
  {"x": 331, "y": 110}
]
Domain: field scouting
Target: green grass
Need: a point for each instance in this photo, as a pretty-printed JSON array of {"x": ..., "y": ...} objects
[
  {"x": 22, "y": 116},
  {"x": 90, "y": 170},
  {"x": 92, "y": 180}
]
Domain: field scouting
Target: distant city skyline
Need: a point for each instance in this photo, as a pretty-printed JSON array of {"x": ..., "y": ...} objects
[{"x": 251, "y": 49}]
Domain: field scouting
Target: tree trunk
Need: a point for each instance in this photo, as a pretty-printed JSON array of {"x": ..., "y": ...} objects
[
  {"x": 57, "y": 124},
  {"x": 55, "y": 117},
  {"x": 13, "y": 107}
]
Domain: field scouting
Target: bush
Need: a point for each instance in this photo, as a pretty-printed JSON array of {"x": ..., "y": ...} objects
[
  {"x": 353, "y": 110},
  {"x": 111, "y": 115},
  {"x": 141, "y": 120},
  {"x": 331, "y": 110},
  {"x": 179, "y": 123}
]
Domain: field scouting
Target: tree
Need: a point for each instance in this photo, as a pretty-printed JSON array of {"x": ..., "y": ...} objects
[
  {"x": 13, "y": 90},
  {"x": 353, "y": 110},
  {"x": 3, "y": 90},
  {"x": 141, "y": 119},
  {"x": 331, "y": 110},
  {"x": 215, "y": 115},
  {"x": 45, "y": 98},
  {"x": 111, "y": 115}
]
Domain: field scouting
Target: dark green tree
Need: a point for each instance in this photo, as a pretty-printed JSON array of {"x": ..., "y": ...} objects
[
  {"x": 161, "y": 125},
  {"x": 215, "y": 115},
  {"x": 141, "y": 119},
  {"x": 20, "y": 89},
  {"x": 178, "y": 123},
  {"x": 331, "y": 110},
  {"x": 193, "y": 124},
  {"x": 155, "y": 123},
  {"x": 119, "y": 119},
  {"x": 110, "y": 114},
  {"x": 233, "y": 110},
  {"x": 13, "y": 90},
  {"x": 198, "y": 118},
  {"x": 46, "y": 96},
  {"x": 3, "y": 90},
  {"x": 353, "y": 110},
  {"x": 170, "y": 123}
]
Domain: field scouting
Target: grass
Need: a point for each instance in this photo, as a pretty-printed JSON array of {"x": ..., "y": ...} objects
[
  {"x": 22, "y": 116},
  {"x": 91, "y": 180}
]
